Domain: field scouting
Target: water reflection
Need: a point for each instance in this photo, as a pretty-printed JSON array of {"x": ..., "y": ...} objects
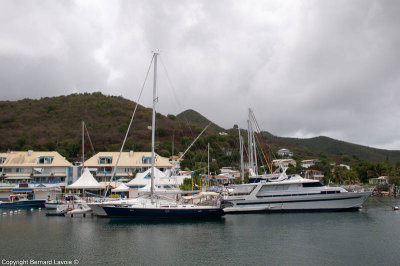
[{"x": 369, "y": 236}]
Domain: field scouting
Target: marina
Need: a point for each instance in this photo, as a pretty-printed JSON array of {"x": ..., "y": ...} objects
[
  {"x": 199, "y": 133},
  {"x": 326, "y": 238}
]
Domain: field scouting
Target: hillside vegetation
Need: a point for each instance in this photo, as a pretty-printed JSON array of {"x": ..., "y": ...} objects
[
  {"x": 196, "y": 118},
  {"x": 55, "y": 124}
]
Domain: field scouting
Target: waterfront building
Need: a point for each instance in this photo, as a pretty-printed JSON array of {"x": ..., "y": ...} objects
[
  {"x": 284, "y": 162},
  {"x": 382, "y": 180},
  {"x": 33, "y": 167},
  {"x": 224, "y": 179},
  {"x": 101, "y": 165},
  {"x": 314, "y": 174},
  {"x": 309, "y": 163},
  {"x": 229, "y": 171}
]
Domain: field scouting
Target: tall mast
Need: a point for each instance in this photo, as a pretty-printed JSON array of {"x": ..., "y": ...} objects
[
  {"x": 153, "y": 126},
  {"x": 173, "y": 140},
  {"x": 241, "y": 155},
  {"x": 208, "y": 160},
  {"x": 255, "y": 154},
  {"x": 83, "y": 145},
  {"x": 250, "y": 144}
]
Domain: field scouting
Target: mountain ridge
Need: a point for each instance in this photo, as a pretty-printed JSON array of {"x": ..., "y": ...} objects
[{"x": 54, "y": 123}]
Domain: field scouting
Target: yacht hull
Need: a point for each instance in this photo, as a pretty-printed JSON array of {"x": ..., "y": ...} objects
[
  {"x": 22, "y": 204},
  {"x": 163, "y": 213},
  {"x": 51, "y": 205},
  {"x": 335, "y": 202}
]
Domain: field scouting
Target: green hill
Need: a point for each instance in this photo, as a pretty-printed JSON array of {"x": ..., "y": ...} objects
[
  {"x": 337, "y": 150},
  {"x": 55, "y": 124},
  {"x": 192, "y": 117}
]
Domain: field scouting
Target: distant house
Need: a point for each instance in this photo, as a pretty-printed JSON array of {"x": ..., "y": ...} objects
[
  {"x": 285, "y": 153},
  {"x": 229, "y": 171},
  {"x": 101, "y": 165},
  {"x": 224, "y": 179},
  {"x": 309, "y": 163},
  {"x": 34, "y": 167},
  {"x": 382, "y": 180},
  {"x": 223, "y": 134},
  {"x": 314, "y": 174},
  {"x": 284, "y": 162}
]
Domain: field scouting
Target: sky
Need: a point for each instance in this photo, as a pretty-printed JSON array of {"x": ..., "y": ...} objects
[{"x": 306, "y": 68}]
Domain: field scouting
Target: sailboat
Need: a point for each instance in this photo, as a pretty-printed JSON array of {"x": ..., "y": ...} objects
[{"x": 154, "y": 207}]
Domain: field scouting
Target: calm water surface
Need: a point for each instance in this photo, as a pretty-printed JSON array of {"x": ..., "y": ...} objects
[{"x": 367, "y": 237}]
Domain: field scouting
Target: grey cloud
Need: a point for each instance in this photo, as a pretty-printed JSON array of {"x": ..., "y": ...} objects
[{"x": 307, "y": 68}]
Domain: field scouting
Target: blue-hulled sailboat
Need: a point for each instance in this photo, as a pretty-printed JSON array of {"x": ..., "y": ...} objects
[{"x": 153, "y": 208}]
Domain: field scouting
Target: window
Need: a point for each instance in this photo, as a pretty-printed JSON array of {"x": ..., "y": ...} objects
[
  {"x": 330, "y": 192},
  {"x": 105, "y": 160},
  {"x": 139, "y": 186},
  {"x": 146, "y": 160},
  {"x": 2, "y": 160},
  {"x": 274, "y": 187},
  {"x": 313, "y": 184},
  {"x": 45, "y": 160}
]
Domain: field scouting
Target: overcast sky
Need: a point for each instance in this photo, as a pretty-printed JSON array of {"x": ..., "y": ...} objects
[{"x": 306, "y": 68}]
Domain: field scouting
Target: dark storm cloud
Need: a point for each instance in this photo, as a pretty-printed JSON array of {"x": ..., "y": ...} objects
[{"x": 307, "y": 68}]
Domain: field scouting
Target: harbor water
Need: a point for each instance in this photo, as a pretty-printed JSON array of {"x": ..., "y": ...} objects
[{"x": 370, "y": 236}]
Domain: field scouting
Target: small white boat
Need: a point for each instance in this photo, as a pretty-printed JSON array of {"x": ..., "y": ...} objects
[
  {"x": 65, "y": 199},
  {"x": 80, "y": 209}
]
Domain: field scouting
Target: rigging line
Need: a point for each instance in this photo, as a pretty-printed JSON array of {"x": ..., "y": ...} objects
[
  {"x": 266, "y": 147},
  {"x": 194, "y": 141},
  {"x": 262, "y": 151},
  {"x": 175, "y": 95},
  {"x": 259, "y": 140},
  {"x": 90, "y": 141},
  {"x": 261, "y": 159},
  {"x": 129, "y": 127}
]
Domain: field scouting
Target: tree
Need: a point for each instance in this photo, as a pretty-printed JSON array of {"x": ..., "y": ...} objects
[
  {"x": 351, "y": 177},
  {"x": 185, "y": 141},
  {"x": 20, "y": 143},
  {"x": 49, "y": 146},
  {"x": 395, "y": 180},
  {"x": 186, "y": 185},
  {"x": 164, "y": 153},
  {"x": 172, "y": 117},
  {"x": 200, "y": 167}
]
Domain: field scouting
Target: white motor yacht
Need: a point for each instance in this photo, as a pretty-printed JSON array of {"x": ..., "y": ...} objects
[{"x": 288, "y": 194}]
